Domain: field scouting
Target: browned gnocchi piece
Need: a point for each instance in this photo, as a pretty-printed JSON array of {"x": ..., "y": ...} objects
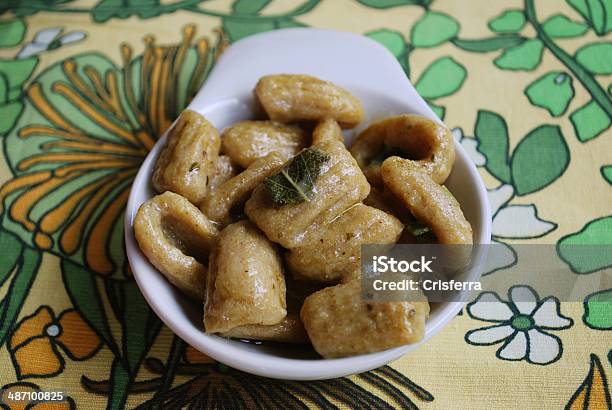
[
  {"x": 429, "y": 202},
  {"x": 245, "y": 282},
  {"x": 248, "y": 141},
  {"x": 340, "y": 185},
  {"x": 339, "y": 323},
  {"x": 233, "y": 192},
  {"x": 338, "y": 250},
  {"x": 289, "y": 330},
  {"x": 176, "y": 237},
  {"x": 327, "y": 130},
  {"x": 425, "y": 143},
  {"x": 294, "y": 98},
  {"x": 225, "y": 169},
  {"x": 188, "y": 159}
]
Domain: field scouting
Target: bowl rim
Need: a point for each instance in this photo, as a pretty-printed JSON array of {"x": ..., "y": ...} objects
[{"x": 280, "y": 367}]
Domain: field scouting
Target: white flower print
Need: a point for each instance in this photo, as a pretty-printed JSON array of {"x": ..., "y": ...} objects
[
  {"x": 49, "y": 39},
  {"x": 470, "y": 146},
  {"x": 522, "y": 324},
  {"x": 511, "y": 222}
]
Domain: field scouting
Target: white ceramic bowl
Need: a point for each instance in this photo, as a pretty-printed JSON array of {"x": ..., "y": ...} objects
[{"x": 372, "y": 74}]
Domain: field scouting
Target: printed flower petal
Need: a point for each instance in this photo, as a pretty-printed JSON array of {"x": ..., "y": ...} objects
[
  {"x": 31, "y": 326},
  {"x": 499, "y": 196},
  {"x": 47, "y": 36},
  {"x": 77, "y": 338},
  {"x": 470, "y": 146},
  {"x": 499, "y": 256},
  {"x": 490, "y": 308},
  {"x": 31, "y": 49},
  {"x": 520, "y": 221},
  {"x": 524, "y": 299},
  {"x": 72, "y": 37},
  {"x": 515, "y": 348},
  {"x": 37, "y": 358},
  {"x": 543, "y": 348},
  {"x": 67, "y": 404},
  {"x": 489, "y": 335},
  {"x": 546, "y": 315}
]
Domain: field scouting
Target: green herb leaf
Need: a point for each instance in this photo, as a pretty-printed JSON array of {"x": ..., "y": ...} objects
[
  {"x": 295, "y": 182},
  {"x": 418, "y": 228}
]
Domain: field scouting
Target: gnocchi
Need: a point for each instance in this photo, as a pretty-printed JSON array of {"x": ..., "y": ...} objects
[
  {"x": 189, "y": 158},
  {"x": 264, "y": 225},
  {"x": 293, "y": 98},
  {"x": 176, "y": 237}
]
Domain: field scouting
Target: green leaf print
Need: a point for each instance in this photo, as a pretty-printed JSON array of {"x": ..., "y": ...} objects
[
  {"x": 249, "y": 6},
  {"x": 12, "y": 32},
  {"x": 589, "y": 121},
  {"x": 107, "y": 9},
  {"x": 486, "y": 45},
  {"x": 597, "y": 13},
  {"x": 600, "y": 12},
  {"x": 510, "y": 21},
  {"x": 443, "y": 77},
  {"x": 492, "y": 134},
  {"x": 560, "y": 26},
  {"x": 539, "y": 159},
  {"x": 598, "y": 310},
  {"x": 240, "y": 28},
  {"x": 391, "y": 39},
  {"x": 437, "y": 109},
  {"x": 385, "y": 4},
  {"x": 433, "y": 29},
  {"x": 140, "y": 325},
  {"x": 525, "y": 56},
  {"x": 596, "y": 57},
  {"x": 10, "y": 113},
  {"x": 553, "y": 91},
  {"x": 606, "y": 173},
  {"x": 25, "y": 273},
  {"x": 597, "y": 233},
  {"x": 12, "y": 249},
  {"x": 84, "y": 293},
  {"x": 17, "y": 71},
  {"x": 26, "y": 8}
]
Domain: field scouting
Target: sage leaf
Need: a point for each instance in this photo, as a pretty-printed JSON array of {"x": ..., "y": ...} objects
[{"x": 295, "y": 183}]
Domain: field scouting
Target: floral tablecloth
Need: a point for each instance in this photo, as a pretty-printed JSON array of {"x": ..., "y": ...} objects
[{"x": 86, "y": 88}]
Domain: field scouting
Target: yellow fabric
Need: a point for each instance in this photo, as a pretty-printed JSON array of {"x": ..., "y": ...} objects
[{"x": 76, "y": 124}]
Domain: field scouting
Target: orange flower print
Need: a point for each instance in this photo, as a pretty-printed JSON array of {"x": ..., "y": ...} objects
[
  {"x": 87, "y": 126},
  {"x": 18, "y": 389},
  {"x": 36, "y": 342}
]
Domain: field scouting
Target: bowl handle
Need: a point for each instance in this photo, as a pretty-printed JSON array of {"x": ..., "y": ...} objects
[{"x": 343, "y": 58}]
